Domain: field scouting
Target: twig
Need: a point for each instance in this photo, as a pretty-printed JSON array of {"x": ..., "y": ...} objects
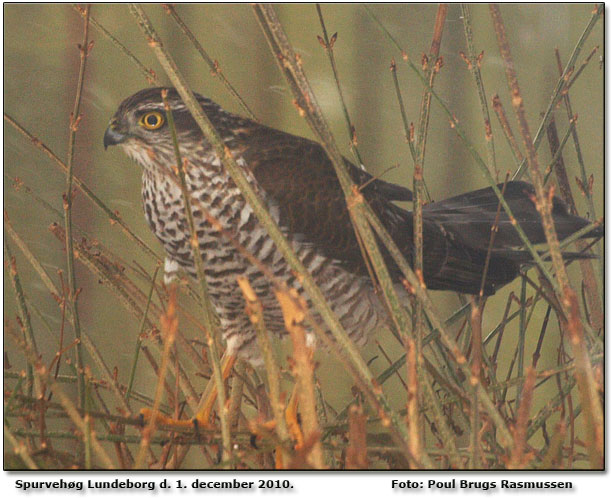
[
  {"x": 518, "y": 457},
  {"x": 476, "y": 371},
  {"x": 25, "y": 322},
  {"x": 132, "y": 374},
  {"x": 213, "y": 338},
  {"x": 19, "y": 448},
  {"x": 479, "y": 161},
  {"x": 255, "y": 312},
  {"x": 75, "y": 117},
  {"x": 561, "y": 84},
  {"x": 474, "y": 63},
  {"x": 46, "y": 379},
  {"x": 113, "y": 216},
  {"x": 149, "y": 74},
  {"x": 212, "y": 64},
  {"x": 306, "y": 101},
  {"x": 497, "y": 105},
  {"x": 593, "y": 296},
  {"x": 407, "y": 131},
  {"x": 293, "y": 309},
  {"x": 584, "y": 374},
  {"x": 356, "y": 453},
  {"x": 169, "y": 327},
  {"x": 252, "y": 198},
  {"x": 328, "y": 46}
]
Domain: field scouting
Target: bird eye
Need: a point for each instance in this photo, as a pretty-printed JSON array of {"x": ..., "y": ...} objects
[{"x": 151, "y": 120}]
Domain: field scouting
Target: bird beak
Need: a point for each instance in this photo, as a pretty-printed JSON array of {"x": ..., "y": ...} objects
[{"x": 113, "y": 136}]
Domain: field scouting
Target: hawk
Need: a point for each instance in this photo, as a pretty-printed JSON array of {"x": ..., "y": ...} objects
[{"x": 297, "y": 182}]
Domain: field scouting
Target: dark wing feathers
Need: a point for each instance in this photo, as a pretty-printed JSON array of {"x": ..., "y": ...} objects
[
  {"x": 299, "y": 178},
  {"x": 296, "y": 174}
]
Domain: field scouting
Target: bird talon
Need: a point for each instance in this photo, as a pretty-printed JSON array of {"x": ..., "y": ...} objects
[{"x": 253, "y": 441}]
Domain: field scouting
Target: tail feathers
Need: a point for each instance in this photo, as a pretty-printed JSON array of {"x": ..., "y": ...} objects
[
  {"x": 463, "y": 275},
  {"x": 470, "y": 216},
  {"x": 525, "y": 257}
]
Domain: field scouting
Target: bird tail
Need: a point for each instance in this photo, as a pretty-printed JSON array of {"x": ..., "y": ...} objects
[
  {"x": 523, "y": 256},
  {"x": 471, "y": 215}
]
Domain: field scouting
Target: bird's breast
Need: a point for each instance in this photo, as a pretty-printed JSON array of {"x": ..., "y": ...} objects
[{"x": 227, "y": 231}]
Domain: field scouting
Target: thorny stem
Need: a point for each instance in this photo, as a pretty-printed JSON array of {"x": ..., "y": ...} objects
[
  {"x": 306, "y": 101},
  {"x": 213, "y": 337},
  {"x": 584, "y": 373},
  {"x": 75, "y": 117},
  {"x": 212, "y": 64},
  {"x": 113, "y": 217}
]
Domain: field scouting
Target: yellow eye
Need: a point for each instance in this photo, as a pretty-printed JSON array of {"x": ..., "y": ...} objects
[{"x": 151, "y": 120}]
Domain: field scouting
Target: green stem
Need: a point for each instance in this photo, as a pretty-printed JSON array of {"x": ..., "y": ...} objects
[
  {"x": 213, "y": 339},
  {"x": 74, "y": 119}
]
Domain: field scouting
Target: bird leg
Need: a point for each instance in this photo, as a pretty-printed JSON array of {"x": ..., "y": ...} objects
[
  {"x": 291, "y": 418},
  {"x": 205, "y": 407}
]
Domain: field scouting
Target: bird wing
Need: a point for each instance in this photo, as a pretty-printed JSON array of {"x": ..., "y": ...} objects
[
  {"x": 297, "y": 175},
  {"x": 299, "y": 179}
]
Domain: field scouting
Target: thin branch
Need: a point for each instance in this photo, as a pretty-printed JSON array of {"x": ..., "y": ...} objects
[
  {"x": 149, "y": 74},
  {"x": 474, "y": 63},
  {"x": 328, "y": 46},
  {"x": 306, "y": 101},
  {"x": 584, "y": 374},
  {"x": 213, "y": 334},
  {"x": 113, "y": 216},
  {"x": 75, "y": 117},
  {"x": 214, "y": 66}
]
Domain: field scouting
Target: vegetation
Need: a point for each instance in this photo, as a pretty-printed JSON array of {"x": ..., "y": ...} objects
[{"x": 92, "y": 336}]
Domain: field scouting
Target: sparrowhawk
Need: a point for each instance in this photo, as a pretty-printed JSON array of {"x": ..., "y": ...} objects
[{"x": 296, "y": 180}]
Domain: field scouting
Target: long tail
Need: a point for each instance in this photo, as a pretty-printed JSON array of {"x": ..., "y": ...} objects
[
  {"x": 469, "y": 217},
  {"x": 467, "y": 220}
]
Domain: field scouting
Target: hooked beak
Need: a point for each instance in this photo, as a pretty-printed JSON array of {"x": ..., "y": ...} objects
[{"x": 113, "y": 135}]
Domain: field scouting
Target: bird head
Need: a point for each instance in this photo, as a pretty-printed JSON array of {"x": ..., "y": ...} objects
[{"x": 140, "y": 126}]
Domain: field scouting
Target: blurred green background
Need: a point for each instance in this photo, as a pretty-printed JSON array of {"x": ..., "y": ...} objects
[{"x": 41, "y": 61}]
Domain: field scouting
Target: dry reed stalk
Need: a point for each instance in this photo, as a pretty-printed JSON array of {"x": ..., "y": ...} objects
[
  {"x": 294, "y": 312},
  {"x": 356, "y": 452}
]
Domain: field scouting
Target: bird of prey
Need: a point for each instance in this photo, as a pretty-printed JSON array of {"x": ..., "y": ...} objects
[{"x": 296, "y": 180}]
